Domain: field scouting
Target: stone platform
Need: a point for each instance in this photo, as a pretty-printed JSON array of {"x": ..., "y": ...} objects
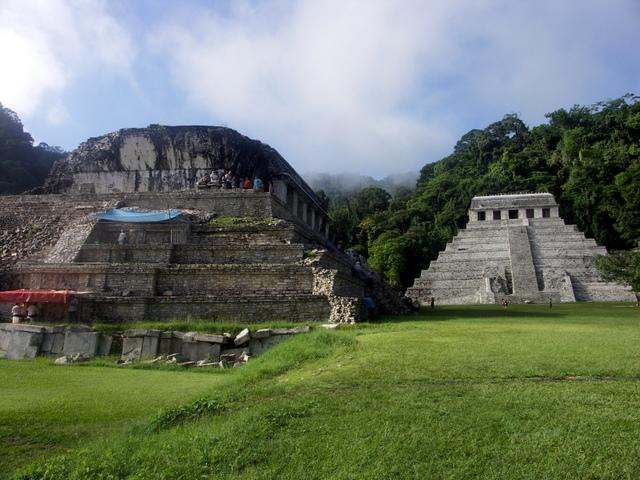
[
  {"x": 516, "y": 248},
  {"x": 268, "y": 268}
]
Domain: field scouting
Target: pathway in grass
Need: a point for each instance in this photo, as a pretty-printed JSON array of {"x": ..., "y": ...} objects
[{"x": 459, "y": 392}]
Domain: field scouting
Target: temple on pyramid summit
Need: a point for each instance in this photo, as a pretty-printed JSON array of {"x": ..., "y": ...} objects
[
  {"x": 516, "y": 248},
  {"x": 181, "y": 222}
]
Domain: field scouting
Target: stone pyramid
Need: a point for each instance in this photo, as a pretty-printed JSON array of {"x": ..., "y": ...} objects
[{"x": 516, "y": 247}]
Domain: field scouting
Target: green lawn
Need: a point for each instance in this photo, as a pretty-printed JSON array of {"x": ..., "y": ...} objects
[
  {"x": 45, "y": 407},
  {"x": 458, "y": 392}
]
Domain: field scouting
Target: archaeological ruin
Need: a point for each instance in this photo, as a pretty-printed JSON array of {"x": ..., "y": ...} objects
[
  {"x": 236, "y": 254},
  {"x": 516, "y": 248}
]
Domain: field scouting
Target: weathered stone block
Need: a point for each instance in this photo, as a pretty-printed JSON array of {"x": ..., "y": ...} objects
[
  {"x": 104, "y": 344},
  {"x": 243, "y": 337},
  {"x": 149, "y": 347},
  {"x": 141, "y": 332},
  {"x": 82, "y": 342},
  {"x": 131, "y": 348},
  {"x": 53, "y": 341},
  {"x": 165, "y": 344},
  {"x": 280, "y": 331},
  {"x": 210, "y": 338},
  {"x": 195, "y": 351},
  {"x": 303, "y": 329},
  {"x": 262, "y": 333},
  {"x": 20, "y": 341}
]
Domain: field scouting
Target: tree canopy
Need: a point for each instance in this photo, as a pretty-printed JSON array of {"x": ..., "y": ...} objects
[
  {"x": 588, "y": 157},
  {"x": 22, "y": 165}
]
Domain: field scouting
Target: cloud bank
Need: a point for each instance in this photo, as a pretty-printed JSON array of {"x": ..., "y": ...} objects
[
  {"x": 371, "y": 87},
  {"x": 47, "y": 44}
]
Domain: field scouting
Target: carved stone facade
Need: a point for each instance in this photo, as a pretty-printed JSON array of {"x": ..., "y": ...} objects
[{"x": 516, "y": 248}]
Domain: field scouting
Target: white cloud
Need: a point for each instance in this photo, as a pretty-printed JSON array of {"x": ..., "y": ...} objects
[
  {"x": 375, "y": 86},
  {"x": 330, "y": 84},
  {"x": 46, "y": 44},
  {"x": 379, "y": 85},
  {"x": 57, "y": 114}
]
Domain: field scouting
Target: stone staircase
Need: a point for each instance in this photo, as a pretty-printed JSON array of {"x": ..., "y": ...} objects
[
  {"x": 237, "y": 273},
  {"x": 524, "y": 260}
]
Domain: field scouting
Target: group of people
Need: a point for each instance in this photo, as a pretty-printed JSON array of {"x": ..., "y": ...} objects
[
  {"x": 226, "y": 179},
  {"x": 32, "y": 312},
  {"x": 20, "y": 311}
]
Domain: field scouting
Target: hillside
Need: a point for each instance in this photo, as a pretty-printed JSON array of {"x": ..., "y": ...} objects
[
  {"x": 588, "y": 157},
  {"x": 22, "y": 165}
]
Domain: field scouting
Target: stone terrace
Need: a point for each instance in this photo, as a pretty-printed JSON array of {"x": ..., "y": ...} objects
[
  {"x": 246, "y": 272},
  {"x": 516, "y": 247}
]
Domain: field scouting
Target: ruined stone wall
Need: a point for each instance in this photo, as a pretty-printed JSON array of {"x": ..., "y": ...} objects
[
  {"x": 191, "y": 254},
  {"x": 308, "y": 308},
  {"x": 141, "y": 279}
]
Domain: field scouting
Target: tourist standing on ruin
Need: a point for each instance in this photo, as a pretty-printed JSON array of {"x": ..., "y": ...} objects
[
  {"x": 215, "y": 179},
  {"x": 227, "y": 180},
  {"x": 247, "y": 183},
  {"x": 33, "y": 312},
  {"x": 205, "y": 180},
  {"x": 17, "y": 313},
  {"x": 72, "y": 312},
  {"x": 257, "y": 185},
  {"x": 122, "y": 238}
]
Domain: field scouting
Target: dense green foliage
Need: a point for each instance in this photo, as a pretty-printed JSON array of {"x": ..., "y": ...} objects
[
  {"x": 588, "y": 157},
  {"x": 457, "y": 392},
  {"x": 622, "y": 266},
  {"x": 22, "y": 166}
]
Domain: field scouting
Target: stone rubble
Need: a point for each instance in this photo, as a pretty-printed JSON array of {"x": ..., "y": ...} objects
[{"x": 193, "y": 349}]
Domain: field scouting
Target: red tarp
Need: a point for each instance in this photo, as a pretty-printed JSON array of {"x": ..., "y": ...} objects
[{"x": 37, "y": 296}]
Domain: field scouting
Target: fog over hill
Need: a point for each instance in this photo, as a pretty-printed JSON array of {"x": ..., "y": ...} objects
[{"x": 347, "y": 183}]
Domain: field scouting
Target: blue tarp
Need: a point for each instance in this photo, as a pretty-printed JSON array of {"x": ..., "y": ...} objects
[{"x": 126, "y": 216}]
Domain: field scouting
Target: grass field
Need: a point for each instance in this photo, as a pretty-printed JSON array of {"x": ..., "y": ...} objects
[{"x": 458, "y": 392}]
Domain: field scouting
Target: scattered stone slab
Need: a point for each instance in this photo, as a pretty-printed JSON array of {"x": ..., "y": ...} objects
[
  {"x": 194, "y": 348},
  {"x": 330, "y": 326},
  {"x": 75, "y": 358},
  {"x": 295, "y": 330},
  {"x": 210, "y": 338},
  {"x": 262, "y": 333},
  {"x": 243, "y": 337}
]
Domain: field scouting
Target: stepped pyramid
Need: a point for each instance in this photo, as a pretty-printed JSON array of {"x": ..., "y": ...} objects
[
  {"x": 255, "y": 271},
  {"x": 270, "y": 260},
  {"x": 516, "y": 247}
]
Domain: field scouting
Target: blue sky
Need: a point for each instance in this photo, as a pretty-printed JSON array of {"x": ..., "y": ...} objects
[{"x": 368, "y": 86}]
